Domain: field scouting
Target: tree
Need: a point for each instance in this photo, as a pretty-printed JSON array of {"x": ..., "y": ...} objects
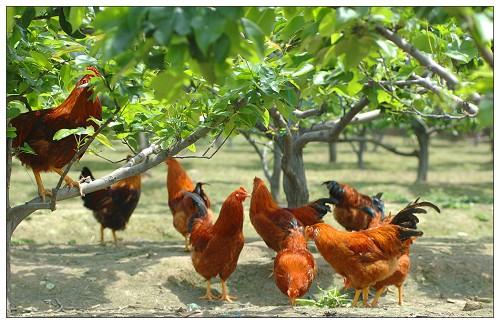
[{"x": 164, "y": 74}]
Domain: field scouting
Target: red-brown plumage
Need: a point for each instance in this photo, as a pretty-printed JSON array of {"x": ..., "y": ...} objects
[
  {"x": 216, "y": 247},
  {"x": 178, "y": 183},
  {"x": 113, "y": 206},
  {"x": 354, "y": 210},
  {"x": 312, "y": 213},
  {"x": 269, "y": 220},
  {"x": 37, "y": 129},
  {"x": 294, "y": 266}
]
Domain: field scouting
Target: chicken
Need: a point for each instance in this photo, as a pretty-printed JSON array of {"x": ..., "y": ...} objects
[
  {"x": 113, "y": 206},
  {"x": 353, "y": 210},
  {"x": 178, "y": 183},
  {"x": 313, "y": 212},
  {"x": 37, "y": 129},
  {"x": 294, "y": 265},
  {"x": 366, "y": 257},
  {"x": 272, "y": 222},
  {"x": 399, "y": 276},
  {"x": 216, "y": 247}
]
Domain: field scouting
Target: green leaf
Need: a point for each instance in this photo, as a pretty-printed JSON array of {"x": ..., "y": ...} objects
[
  {"x": 222, "y": 47},
  {"x": 76, "y": 15},
  {"x": 345, "y": 15},
  {"x": 27, "y": 149},
  {"x": 85, "y": 60},
  {"x": 388, "y": 49},
  {"x": 28, "y": 15},
  {"x": 295, "y": 25},
  {"x": 354, "y": 49},
  {"x": 40, "y": 59},
  {"x": 65, "y": 132},
  {"x": 425, "y": 41},
  {"x": 255, "y": 34},
  {"x": 11, "y": 132},
  {"x": 11, "y": 11},
  {"x": 327, "y": 25},
  {"x": 207, "y": 29},
  {"x": 181, "y": 23},
  {"x": 306, "y": 68},
  {"x": 192, "y": 148},
  {"x": 101, "y": 138},
  {"x": 266, "y": 118},
  {"x": 305, "y": 302},
  {"x": 484, "y": 26}
]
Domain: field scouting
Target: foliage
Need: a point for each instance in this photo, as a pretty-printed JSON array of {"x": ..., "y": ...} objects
[
  {"x": 329, "y": 298},
  {"x": 172, "y": 68}
]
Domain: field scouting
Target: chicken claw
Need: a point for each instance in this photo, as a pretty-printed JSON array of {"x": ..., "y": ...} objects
[
  {"x": 209, "y": 295},
  {"x": 225, "y": 296}
]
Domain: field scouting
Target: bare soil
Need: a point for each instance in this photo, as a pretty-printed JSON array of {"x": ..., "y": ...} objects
[{"x": 157, "y": 279}]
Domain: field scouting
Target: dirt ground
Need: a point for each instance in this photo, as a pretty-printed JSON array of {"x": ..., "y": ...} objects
[{"x": 156, "y": 279}]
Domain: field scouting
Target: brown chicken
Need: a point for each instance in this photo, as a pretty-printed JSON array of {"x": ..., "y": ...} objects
[
  {"x": 178, "y": 183},
  {"x": 353, "y": 210},
  {"x": 272, "y": 222},
  {"x": 216, "y": 247},
  {"x": 294, "y": 265},
  {"x": 366, "y": 257},
  {"x": 399, "y": 276},
  {"x": 113, "y": 206},
  {"x": 37, "y": 129}
]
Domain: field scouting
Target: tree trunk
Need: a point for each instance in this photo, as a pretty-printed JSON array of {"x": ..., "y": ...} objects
[
  {"x": 361, "y": 150},
  {"x": 378, "y": 137},
  {"x": 294, "y": 178},
  {"x": 420, "y": 129},
  {"x": 276, "y": 176},
  {"x": 9, "y": 223},
  {"x": 332, "y": 152}
]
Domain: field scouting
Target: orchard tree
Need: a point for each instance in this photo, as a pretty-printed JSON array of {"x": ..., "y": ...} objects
[
  {"x": 332, "y": 68},
  {"x": 165, "y": 73}
]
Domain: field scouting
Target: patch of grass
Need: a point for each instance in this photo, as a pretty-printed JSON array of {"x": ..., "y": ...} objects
[
  {"x": 21, "y": 241},
  {"x": 482, "y": 217},
  {"x": 329, "y": 298}
]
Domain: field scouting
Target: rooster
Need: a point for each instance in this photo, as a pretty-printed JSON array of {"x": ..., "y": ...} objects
[
  {"x": 399, "y": 276},
  {"x": 294, "y": 266},
  {"x": 178, "y": 183},
  {"x": 272, "y": 222},
  {"x": 353, "y": 210},
  {"x": 37, "y": 129},
  {"x": 366, "y": 257},
  {"x": 216, "y": 247},
  {"x": 113, "y": 206}
]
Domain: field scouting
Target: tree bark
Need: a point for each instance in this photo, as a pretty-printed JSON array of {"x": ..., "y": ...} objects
[
  {"x": 294, "y": 178},
  {"x": 276, "y": 175},
  {"x": 423, "y": 138},
  {"x": 9, "y": 222},
  {"x": 361, "y": 149},
  {"x": 332, "y": 152}
]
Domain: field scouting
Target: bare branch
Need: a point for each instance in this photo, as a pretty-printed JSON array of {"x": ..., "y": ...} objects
[
  {"x": 310, "y": 112},
  {"x": 265, "y": 166},
  {"x": 379, "y": 143},
  {"x": 423, "y": 59}
]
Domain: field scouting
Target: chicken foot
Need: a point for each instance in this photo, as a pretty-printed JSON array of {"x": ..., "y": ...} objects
[
  {"x": 356, "y": 297},
  {"x": 187, "y": 248},
  {"x": 400, "y": 295},
  {"x": 102, "y": 235},
  {"x": 225, "y": 296},
  {"x": 365, "y": 296},
  {"x": 69, "y": 182},
  {"x": 208, "y": 295},
  {"x": 41, "y": 189}
]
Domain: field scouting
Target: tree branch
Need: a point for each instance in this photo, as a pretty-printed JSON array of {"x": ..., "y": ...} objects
[
  {"x": 329, "y": 132},
  {"x": 379, "y": 143},
  {"x": 311, "y": 112},
  {"x": 423, "y": 59},
  {"x": 265, "y": 166}
]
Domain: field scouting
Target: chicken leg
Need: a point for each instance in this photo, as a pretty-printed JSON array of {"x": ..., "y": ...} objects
[
  {"x": 356, "y": 297},
  {"x": 114, "y": 237},
  {"x": 225, "y": 296},
  {"x": 377, "y": 296},
  {"x": 186, "y": 243},
  {"x": 41, "y": 190},
  {"x": 400, "y": 295},
  {"x": 102, "y": 235},
  {"x": 69, "y": 182},
  {"x": 208, "y": 295},
  {"x": 365, "y": 296}
]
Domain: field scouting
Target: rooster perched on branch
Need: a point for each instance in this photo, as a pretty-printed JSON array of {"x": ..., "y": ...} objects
[{"x": 37, "y": 129}]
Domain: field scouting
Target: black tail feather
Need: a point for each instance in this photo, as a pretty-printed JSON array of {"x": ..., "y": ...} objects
[
  {"x": 86, "y": 173},
  {"x": 321, "y": 206},
  {"x": 406, "y": 233},
  {"x": 407, "y": 220},
  {"x": 201, "y": 209}
]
